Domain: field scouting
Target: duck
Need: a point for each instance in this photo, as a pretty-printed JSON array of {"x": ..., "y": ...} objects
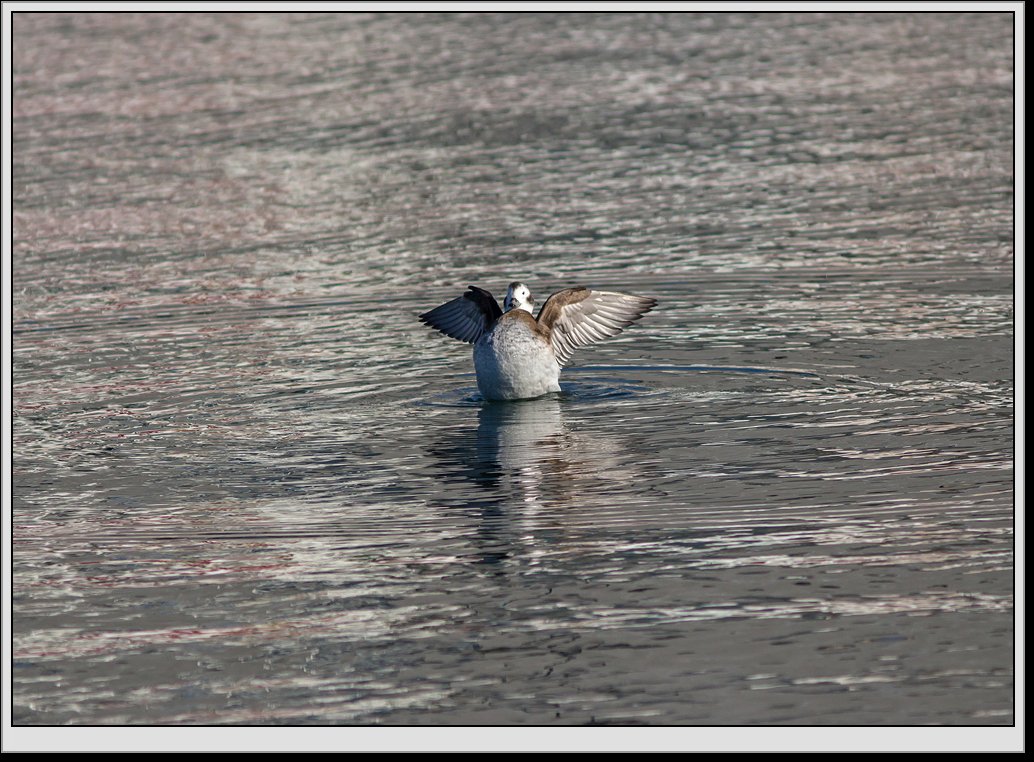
[{"x": 519, "y": 355}]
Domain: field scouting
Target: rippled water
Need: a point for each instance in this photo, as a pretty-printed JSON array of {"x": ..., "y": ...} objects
[{"x": 250, "y": 487}]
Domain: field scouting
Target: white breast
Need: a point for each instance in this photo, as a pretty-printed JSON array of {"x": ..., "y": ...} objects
[{"x": 513, "y": 362}]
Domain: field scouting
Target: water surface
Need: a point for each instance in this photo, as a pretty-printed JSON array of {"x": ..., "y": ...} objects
[{"x": 250, "y": 488}]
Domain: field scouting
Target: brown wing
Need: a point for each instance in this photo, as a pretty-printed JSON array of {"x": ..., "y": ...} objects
[
  {"x": 577, "y": 317},
  {"x": 466, "y": 317}
]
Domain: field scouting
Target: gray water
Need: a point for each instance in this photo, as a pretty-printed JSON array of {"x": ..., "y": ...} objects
[{"x": 249, "y": 487}]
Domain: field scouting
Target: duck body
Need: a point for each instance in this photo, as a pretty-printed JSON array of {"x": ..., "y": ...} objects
[
  {"x": 514, "y": 360},
  {"x": 520, "y": 356}
]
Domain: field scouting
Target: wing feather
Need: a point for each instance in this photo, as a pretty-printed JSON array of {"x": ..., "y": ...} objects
[
  {"x": 578, "y": 317},
  {"x": 466, "y": 317}
]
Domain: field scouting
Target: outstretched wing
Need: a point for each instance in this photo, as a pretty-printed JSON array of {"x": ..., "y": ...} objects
[
  {"x": 466, "y": 317},
  {"x": 577, "y": 317}
]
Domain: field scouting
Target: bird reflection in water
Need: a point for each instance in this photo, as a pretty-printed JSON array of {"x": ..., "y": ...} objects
[{"x": 523, "y": 465}]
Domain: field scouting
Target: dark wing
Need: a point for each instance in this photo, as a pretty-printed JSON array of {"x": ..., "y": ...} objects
[
  {"x": 466, "y": 317},
  {"x": 580, "y": 316}
]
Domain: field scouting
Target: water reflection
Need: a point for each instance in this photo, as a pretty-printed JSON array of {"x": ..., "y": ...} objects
[
  {"x": 513, "y": 464},
  {"x": 528, "y": 478}
]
